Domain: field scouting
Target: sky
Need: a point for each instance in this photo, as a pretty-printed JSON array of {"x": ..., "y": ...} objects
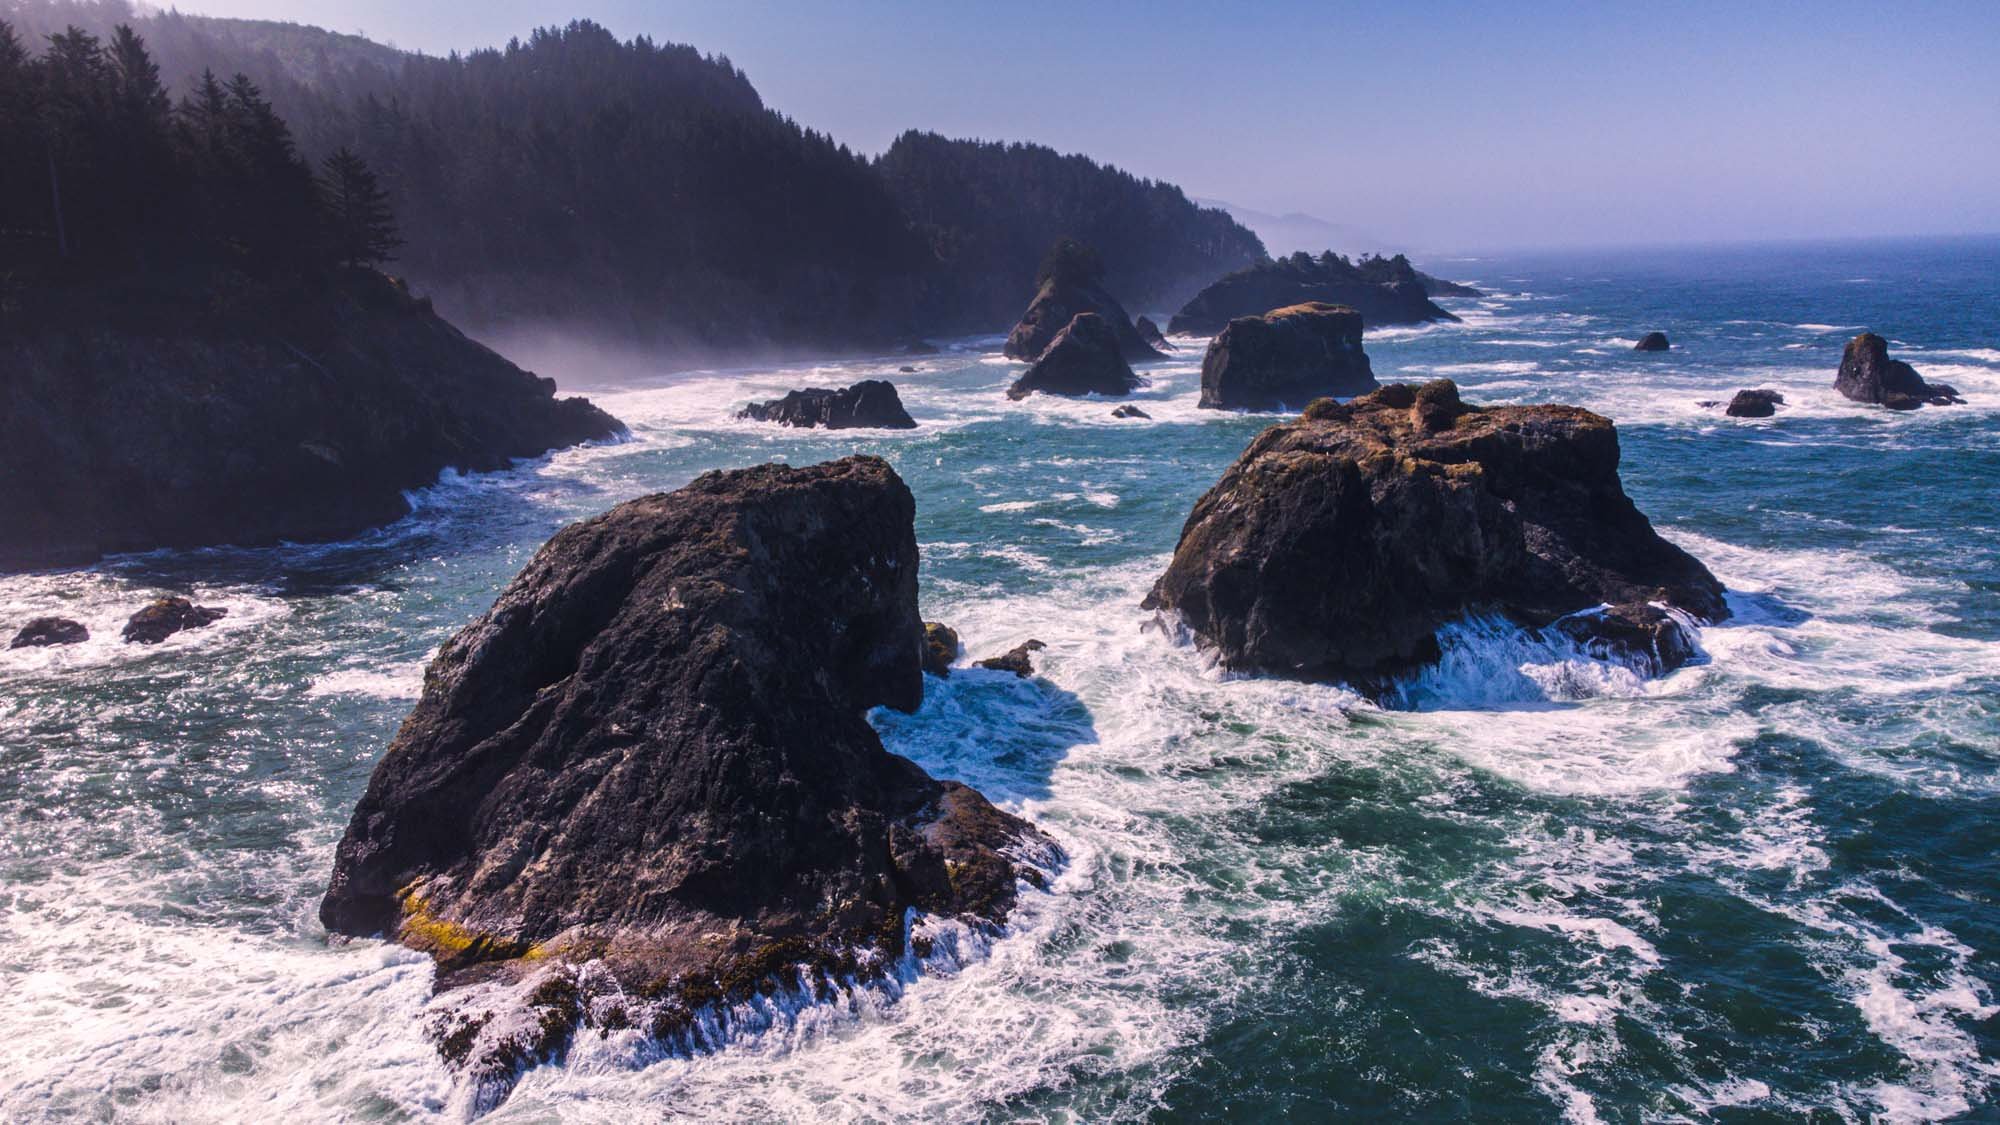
[{"x": 1432, "y": 127}]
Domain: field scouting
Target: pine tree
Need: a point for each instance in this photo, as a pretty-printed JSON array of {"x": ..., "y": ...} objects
[{"x": 362, "y": 226}]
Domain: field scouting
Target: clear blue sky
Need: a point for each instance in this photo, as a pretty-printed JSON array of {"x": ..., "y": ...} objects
[{"x": 1438, "y": 126}]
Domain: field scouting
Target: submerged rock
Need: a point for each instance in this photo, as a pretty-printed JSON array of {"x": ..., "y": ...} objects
[
  {"x": 167, "y": 616},
  {"x": 1015, "y": 659},
  {"x": 1337, "y": 545},
  {"x": 1083, "y": 359},
  {"x": 1867, "y": 374},
  {"x": 869, "y": 404},
  {"x": 1286, "y": 357},
  {"x": 1130, "y": 411},
  {"x": 644, "y": 783},
  {"x": 1754, "y": 404},
  {"x": 940, "y": 648},
  {"x": 1382, "y": 290},
  {"x": 1150, "y": 332},
  {"x": 1652, "y": 342},
  {"x": 43, "y": 632},
  {"x": 1071, "y": 283}
]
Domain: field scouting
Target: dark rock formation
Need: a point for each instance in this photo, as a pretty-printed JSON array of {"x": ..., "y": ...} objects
[
  {"x": 1287, "y": 357},
  {"x": 869, "y": 404},
  {"x": 1130, "y": 411},
  {"x": 171, "y": 435},
  {"x": 1867, "y": 374},
  {"x": 45, "y": 631},
  {"x": 1059, "y": 301},
  {"x": 167, "y": 616},
  {"x": 1652, "y": 342},
  {"x": 1150, "y": 332},
  {"x": 1439, "y": 287},
  {"x": 651, "y": 756},
  {"x": 1015, "y": 659},
  {"x": 1083, "y": 359},
  {"x": 1754, "y": 404},
  {"x": 907, "y": 369},
  {"x": 1300, "y": 279},
  {"x": 1338, "y": 544},
  {"x": 940, "y": 648}
]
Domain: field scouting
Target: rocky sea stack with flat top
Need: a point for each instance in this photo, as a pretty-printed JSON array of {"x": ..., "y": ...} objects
[
  {"x": 1337, "y": 545},
  {"x": 1383, "y": 290},
  {"x": 644, "y": 782},
  {"x": 1867, "y": 374},
  {"x": 869, "y": 404},
  {"x": 1084, "y": 359},
  {"x": 1286, "y": 357}
]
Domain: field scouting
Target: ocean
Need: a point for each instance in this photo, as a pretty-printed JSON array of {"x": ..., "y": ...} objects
[{"x": 1539, "y": 887}]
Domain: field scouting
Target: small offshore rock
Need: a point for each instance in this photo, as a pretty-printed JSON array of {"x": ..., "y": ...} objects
[
  {"x": 870, "y": 404},
  {"x": 1150, "y": 332},
  {"x": 907, "y": 369},
  {"x": 1652, "y": 342},
  {"x": 167, "y": 616},
  {"x": 1754, "y": 404},
  {"x": 1286, "y": 358},
  {"x": 1867, "y": 374},
  {"x": 1015, "y": 659},
  {"x": 1130, "y": 411},
  {"x": 1083, "y": 359},
  {"x": 940, "y": 648},
  {"x": 45, "y": 631}
]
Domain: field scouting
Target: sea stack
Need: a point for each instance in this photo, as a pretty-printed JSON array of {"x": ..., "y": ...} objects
[
  {"x": 166, "y": 616},
  {"x": 1754, "y": 404},
  {"x": 1083, "y": 359},
  {"x": 1286, "y": 357},
  {"x": 869, "y": 404},
  {"x": 1150, "y": 332},
  {"x": 642, "y": 786},
  {"x": 44, "y": 632},
  {"x": 1383, "y": 290},
  {"x": 1652, "y": 342},
  {"x": 1071, "y": 283},
  {"x": 1867, "y": 374},
  {"x": 1338, "y": 545}
]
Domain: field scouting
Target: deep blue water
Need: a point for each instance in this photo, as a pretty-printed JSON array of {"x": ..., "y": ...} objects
[{"x": 1762, "y": 888}]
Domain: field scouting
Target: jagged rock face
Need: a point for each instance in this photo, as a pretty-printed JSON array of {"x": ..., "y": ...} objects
[
  {"x": 1150, "y": 332},
  {"x": 869, "y": 404},
  {"x": 1060, "y": 301},
  {"x": 172, "y": 437},
  {"x": 1652, "y": 342},
  {"x": 1016, "y": 660},
  {"x": 1867, "y": 374},
  {"x": 1275, "y": 285},
  {"x": 940, "y": 648},
  {"x": 651, "y": 754},
  {"x": 1754, "y": 404},
  {"x": 1083, "y": 359},
  {"x": 43, "y": 632},
  {"x": 1337, "y": 545},
  {"x": 1287, "y": 357},
  {"x": 167, "y": 616}
]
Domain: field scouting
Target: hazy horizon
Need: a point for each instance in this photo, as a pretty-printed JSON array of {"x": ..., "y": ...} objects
[{"x": 1450, "y": 129}]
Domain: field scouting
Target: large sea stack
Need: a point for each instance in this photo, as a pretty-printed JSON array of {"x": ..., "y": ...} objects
[
  {"x": 1287, "y": 357},
  {"x": 1337, "y": 545},
  {"x": 1070, "y": 283},
  {"x": 1083, "y": 359},
  {"x": 644, "y": 779},
  {"x": 869, "y": 404},
  {"x": 1867, "y": 374},
  {"x": 1383, "y": 290},
  {"x": 173, "y": 432}
]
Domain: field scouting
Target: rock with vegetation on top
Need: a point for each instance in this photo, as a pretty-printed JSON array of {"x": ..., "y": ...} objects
[
  {"x": 643, "y": 785},
  {"x": 1754, "y": 404},
  {"x": 1286, "y": 357},
  {"x": 166, "y": 616},
  {"x": 1867, "y": 374},
  {"x": 1070, "y": 284},
  {"x": 43, "y": 632},
  {"x": 940, "y": 648},
  {"x": 1083, "y": 359},
  {"x": 1652, "y": 342},
  {"x": 1383, "y": 290},
  {"x": 1015, "y": 659},
  {"x": 1337, "y": 545},
  {"x": 869, "y": 404}
]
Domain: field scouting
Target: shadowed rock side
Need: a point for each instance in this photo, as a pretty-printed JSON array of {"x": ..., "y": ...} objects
[
  {"x": 44, "y": 632},
  {"x": 1059, "y": 301},
  {"x": 1867, "y": 374},
  {"x": 1754, "y": 404},
  {"x": 1439, "y": 287},
  {"x": 1150, "y": 332},
  {"x": 171, "y": 436},
  {"x": 869, "y": 404},
  {"x": 651, "y": 755},
  {"x": 166, "y": 616},
  {"x": 1083, "y": 359},
  {"x": 1652, "y": 342},
  {"x": 1337, "y": 545},
  {"x": 1287, "y": 357},
  {"x": 1299, "y": 280}
]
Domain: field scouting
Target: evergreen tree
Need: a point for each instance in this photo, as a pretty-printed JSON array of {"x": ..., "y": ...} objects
[{"x": 360, "y": 223}]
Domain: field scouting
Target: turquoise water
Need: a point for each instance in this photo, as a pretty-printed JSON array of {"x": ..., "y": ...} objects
[{"x": 1762, "y": 888}]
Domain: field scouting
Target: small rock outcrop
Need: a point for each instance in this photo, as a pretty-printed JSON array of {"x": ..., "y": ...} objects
[
  {"x": 1069, "y": 284},
  {"x": 940, "y": 648},
  {"x": 43, "y": 632},
  {"x": 1652, "y": 342},
  {"x": 1754, "y": 404},
  {"x": 1867, "y": 374},
  {"x": 1015, "y": 659},
  {"x": 869, "y": 404},
  {"x": 1383, "y": 290},
  {"x": 167, "y": 616},
  {"x": 1337, "y": 545},
  {"x": 1150, "y": 332},
  {"x": 1130, "y": 411},
  {"x": 1286, "y": 357},
  {"x": 642, "y": 787},
  {"x": 1083, "y": 359}
]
